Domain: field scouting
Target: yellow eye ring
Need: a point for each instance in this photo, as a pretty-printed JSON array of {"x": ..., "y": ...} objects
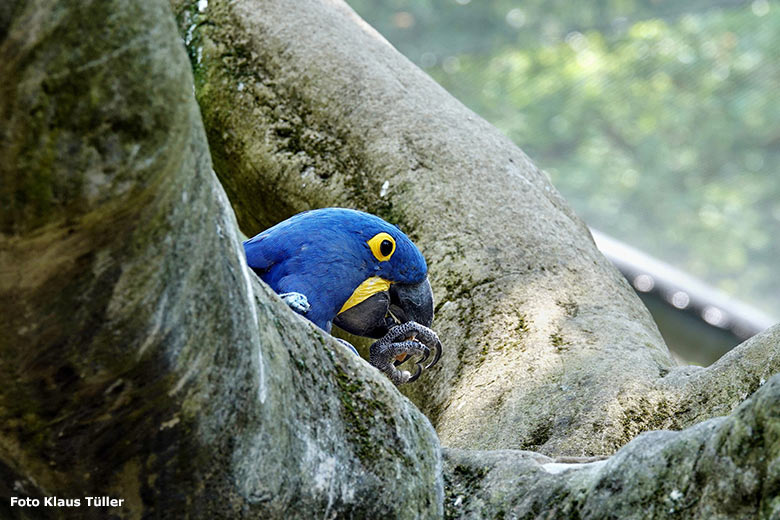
[{"x": 383, "y": 246}]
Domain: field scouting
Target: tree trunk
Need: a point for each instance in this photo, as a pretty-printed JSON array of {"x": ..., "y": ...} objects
[
  {"x": 546, "y": 346},
  {"x": 142, "y": 360}
]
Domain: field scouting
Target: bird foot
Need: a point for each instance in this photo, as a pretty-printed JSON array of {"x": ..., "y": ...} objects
[
  {"x": 401, "y": 343},
  {"x": 296, "y": 301}
]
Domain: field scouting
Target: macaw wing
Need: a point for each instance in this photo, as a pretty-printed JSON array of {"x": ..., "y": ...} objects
[{"x": 260, "y": 254}]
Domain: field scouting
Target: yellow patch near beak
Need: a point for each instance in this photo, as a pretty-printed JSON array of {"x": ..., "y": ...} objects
[{"x": 368, "y": 288}]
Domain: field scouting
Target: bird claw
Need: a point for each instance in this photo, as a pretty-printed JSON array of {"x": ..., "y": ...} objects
[
  {"x": 409, "y": 339},
  {"x": 296, "y": 301}
]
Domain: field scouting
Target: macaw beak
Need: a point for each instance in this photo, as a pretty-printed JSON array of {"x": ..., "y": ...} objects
[
  {"x": 412, "y": 303},
  {"x": 374, "y": 316}
]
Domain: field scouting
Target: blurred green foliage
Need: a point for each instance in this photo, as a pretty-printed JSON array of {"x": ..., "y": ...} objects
[{"x": 658, "y": 120}]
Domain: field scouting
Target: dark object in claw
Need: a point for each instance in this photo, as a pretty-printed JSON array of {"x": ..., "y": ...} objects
[
  {"x": 400, "y": 317},
  {"x": 396, "y": 342}
]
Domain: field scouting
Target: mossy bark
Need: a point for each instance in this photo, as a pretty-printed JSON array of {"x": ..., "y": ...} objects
[
  {"x": 546, "y": 346},
  {"x": 724, "y": 468},
  {"x": 140, "y": 357}
]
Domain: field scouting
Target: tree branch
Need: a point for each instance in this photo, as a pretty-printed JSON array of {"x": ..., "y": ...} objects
[
  {"x": 139, "y": 356},
  {"x": 720, "y": 388},
  {"x": 722, "y": 468}
]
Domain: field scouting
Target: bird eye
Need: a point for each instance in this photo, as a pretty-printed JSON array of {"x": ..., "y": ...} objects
[
  {"x": 383, "y": 246},
  {"x": 386, "y": 247}
]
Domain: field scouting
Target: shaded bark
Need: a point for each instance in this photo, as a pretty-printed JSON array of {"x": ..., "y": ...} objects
[{"x": 140, "y": 358}]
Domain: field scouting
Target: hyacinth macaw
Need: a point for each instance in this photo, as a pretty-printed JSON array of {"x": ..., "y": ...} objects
[{"x": 348, "y": 268}]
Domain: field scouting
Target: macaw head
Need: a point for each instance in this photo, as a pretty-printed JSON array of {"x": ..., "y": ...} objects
[{"x": 356, "y": 270}]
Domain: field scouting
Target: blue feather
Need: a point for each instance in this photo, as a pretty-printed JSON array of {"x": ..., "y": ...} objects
[{"x": 324, "y": 254}]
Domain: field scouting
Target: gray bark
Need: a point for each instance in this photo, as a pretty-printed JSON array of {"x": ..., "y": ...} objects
[
  {"x": 723, "y": 468},
  {"x": 140, "y": 358},
  {"x": 546, "y": 346}
]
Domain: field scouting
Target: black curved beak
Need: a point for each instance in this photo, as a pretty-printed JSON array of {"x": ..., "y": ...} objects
[{"x": 374, "y": 316}]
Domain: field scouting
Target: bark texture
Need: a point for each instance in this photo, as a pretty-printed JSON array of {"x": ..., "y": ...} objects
[
  {"x": 547, "y": 347},
  {"x": 723, "y": 468},
  {"x": 140, "y": 358}
]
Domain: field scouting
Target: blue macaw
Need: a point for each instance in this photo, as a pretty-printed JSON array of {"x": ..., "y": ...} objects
[{"x": 348, "y": 268}]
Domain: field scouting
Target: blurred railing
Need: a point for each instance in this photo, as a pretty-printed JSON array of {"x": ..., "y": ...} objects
[{"x": 698, "y": 322}]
